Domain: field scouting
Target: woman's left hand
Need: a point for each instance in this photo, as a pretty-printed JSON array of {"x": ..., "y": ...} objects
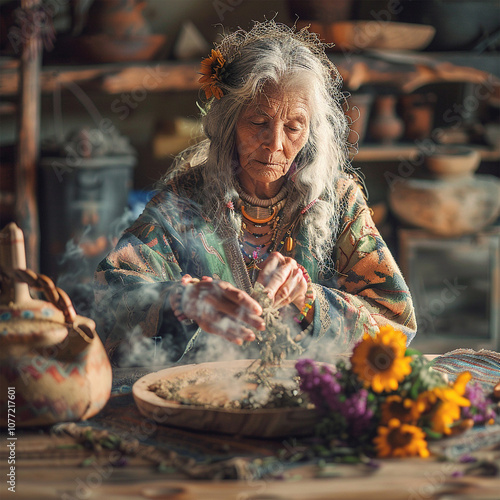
[{"x": 284, "y": 280}]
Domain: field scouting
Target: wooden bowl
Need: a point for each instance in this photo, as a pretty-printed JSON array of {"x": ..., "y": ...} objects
[
  {"x": 453, "y": 161},
  {"x": 262, "y": 423},
  {"x": 359, "y": 35}
]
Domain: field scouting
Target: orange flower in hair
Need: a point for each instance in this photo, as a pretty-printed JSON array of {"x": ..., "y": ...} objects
[{"x": 211, "y": 70}]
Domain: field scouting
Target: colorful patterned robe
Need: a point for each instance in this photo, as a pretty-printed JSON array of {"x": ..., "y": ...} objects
[{"x": 173, "y": 236}]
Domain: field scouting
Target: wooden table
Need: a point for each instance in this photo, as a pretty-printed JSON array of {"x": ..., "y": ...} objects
[
  {"x": 51, "y": 467},
  {"x": 405, "y": 479}
]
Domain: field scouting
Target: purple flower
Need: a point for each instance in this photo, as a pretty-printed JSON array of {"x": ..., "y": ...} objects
[
  {"x": 326, "y": 391},
  {"x": 466, "y": 459},
  {"x": 481, "y": 407},
  {"x": 357, "y": 412}
]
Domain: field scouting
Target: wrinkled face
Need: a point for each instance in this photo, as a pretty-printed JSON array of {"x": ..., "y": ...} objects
[{"x": 269, "y": 134}]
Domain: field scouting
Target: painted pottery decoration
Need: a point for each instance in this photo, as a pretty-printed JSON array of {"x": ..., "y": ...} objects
[{"x": 50, "y": 358}]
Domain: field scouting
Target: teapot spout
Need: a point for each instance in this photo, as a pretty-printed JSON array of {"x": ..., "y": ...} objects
[{"x": 81, "y": 335}]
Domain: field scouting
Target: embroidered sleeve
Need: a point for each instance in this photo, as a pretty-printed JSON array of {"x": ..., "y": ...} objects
[
  {"x": 367, "y": 289},
  {"x": 131, "y": 289}
]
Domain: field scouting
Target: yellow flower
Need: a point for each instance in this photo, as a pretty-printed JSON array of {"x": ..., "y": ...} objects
[
  {"x": 400, "y": 440},
  {"x": 405, "y": 410},
  {"x": 211, "y": 69},
  {"x": 443, "y": 416},
  {"x": 442, "y": 404},
  {"x": 380, "y": 361},
  {"x": 426, "y": 401}
]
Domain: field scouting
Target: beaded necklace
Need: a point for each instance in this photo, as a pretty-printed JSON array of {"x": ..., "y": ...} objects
[
  {"x": 259, "y": 228},
  {"x": 259, "y": 249}
]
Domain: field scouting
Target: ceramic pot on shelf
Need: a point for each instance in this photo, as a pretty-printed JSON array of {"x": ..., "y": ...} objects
[
  {"x": 52, "y": 363},
  {"x": 452, "y": 161},
  {"x": 418, "y": 115},
  {"x": 115, "y": 31},
  {"x": 385, "y": 126},
  {"x": 118, "y": 18}
]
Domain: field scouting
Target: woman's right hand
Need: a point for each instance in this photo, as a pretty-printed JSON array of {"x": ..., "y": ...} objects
[{"x": 222, "y": 309}]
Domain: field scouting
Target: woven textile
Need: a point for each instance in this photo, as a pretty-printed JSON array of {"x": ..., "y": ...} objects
[{"x": 483, "y": 365}]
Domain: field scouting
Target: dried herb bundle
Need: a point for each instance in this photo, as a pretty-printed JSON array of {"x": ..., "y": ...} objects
[{"x": 275, "y": 342}]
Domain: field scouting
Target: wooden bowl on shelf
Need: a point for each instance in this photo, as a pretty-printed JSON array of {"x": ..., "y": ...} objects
[
  {"x": 453, "y": 161},
  {"x": 262, "y": 423},
  {"x": 360, "y": 35}
]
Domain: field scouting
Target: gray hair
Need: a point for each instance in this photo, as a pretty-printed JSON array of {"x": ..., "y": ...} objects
[{"x": 273, "y": 54}]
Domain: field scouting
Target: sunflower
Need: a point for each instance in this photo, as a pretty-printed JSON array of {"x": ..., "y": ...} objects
[
  {"x": 400, "y": 440},
  {"x": 442, "y": 404},
  {"x": 405, "y": 410},
  {"x": 211, "y": 70},
  {"x": 380, "y": 361},
  {"x": 449, "y": 400},
  {"x": 443, "y": 417}
]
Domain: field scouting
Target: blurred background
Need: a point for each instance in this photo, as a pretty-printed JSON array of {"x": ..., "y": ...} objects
[{"x": 97, "y": 97}]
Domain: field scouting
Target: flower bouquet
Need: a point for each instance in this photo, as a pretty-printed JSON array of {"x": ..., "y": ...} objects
[{"x": 388, "y": 401}]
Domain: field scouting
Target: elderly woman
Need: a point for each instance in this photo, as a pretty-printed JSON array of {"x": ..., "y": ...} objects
[{"x": 265, "y": 198}]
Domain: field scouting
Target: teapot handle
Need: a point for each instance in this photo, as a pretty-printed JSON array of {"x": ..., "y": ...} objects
[
  {"x": 57, "y": 296},
  {"x": 53, "y": 294}
]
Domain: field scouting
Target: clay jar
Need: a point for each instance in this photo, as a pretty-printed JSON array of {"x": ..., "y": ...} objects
[
  {"x": 385, "y": 126},
  {"x": 418, "y": 115},
  {"x": 52, "y": 359}
]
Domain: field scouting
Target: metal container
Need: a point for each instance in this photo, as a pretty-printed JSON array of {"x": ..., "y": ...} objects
[{"x": 82, "y": 205}]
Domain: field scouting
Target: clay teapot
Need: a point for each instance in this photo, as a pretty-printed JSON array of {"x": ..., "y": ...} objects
[{"x": 53, "y": 366}]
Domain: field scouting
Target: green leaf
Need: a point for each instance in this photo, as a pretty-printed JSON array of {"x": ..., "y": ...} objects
[
  {"x": 432, "y": 434},
  {"x": 412, "y": 352},
  {"x": 415, "y": 389}
]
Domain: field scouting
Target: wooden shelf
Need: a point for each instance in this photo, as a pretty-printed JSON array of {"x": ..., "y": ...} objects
[
  {"x": 109, "y": 78},
  {"x": 400, "y": 72},
  {"x": 408, "y": 71},
  {"x": 400, "y": 152}
]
